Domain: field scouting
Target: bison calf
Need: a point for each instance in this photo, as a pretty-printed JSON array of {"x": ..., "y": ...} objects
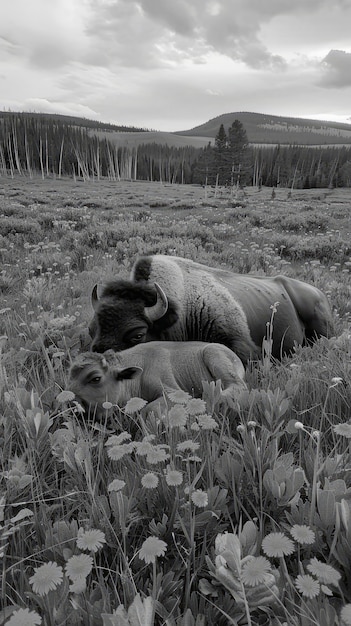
[{"x": 150, "y": 369}]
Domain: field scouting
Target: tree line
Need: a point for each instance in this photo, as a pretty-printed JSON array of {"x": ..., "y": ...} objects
[{"x": 53, "y": 146}]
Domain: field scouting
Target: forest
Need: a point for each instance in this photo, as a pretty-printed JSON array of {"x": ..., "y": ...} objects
[{"x": 54, "y": 146}]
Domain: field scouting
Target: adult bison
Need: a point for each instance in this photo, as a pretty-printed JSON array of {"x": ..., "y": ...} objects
[
  {"x": 151, "y": 369},
  {"x": 175, "y": 299}
]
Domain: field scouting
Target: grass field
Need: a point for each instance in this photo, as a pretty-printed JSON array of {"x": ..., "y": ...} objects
[{"x": 201, "y": 517}]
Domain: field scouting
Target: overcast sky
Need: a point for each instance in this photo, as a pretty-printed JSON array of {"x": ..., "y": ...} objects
[{"x": 174, "y": 64}]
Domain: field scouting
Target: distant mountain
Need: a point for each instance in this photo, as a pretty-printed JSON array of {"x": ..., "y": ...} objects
[{"x": 263, "y": 129}]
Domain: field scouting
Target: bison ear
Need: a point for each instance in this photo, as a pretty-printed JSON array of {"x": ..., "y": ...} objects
[{"x": 128, "y": 373}]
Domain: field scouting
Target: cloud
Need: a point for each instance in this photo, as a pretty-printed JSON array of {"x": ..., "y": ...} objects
[
  {"x": 41, "y": 105},
  {"x": 336, "y": 69}
]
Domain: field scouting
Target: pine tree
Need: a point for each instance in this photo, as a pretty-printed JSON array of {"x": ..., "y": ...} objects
[{"x": 238, "y": 154}]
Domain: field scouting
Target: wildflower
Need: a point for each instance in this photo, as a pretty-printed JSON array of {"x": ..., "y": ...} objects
[
  {"x": 179, "y": 397},
  {"x": 134, "y": 405},
  {"x": 307, "y": 586},
  {"x": 325, "y": 573},
  {"x": 196, "y": 406},
  {"x": 79, "y": 585},
  {"x": 199, "y": 498},
  {"x": 302, "y": 534},
  {"x": 65, "y": 396},
  {"x": 336, "y": 380},
  {"x": 343, "y": 429},
  {"x": 173, "y": 477},
  {"x": 115, "y": 453},
  {"x": 79, "y": 566},
  {"x": 254, "y": 571},
  {"x": 152, "y": 548},
  {"x": 143, "y": 447},
  {"x": 177, "y": 416},
  {"x": 206, "y": 422},
  {"x": 345, "y": 614},
  {"x": 299, "y": 426},
  {"x": 277, "y": 544},
  {"x": 107, "y": 405},
  {"x": 188, "y": 446},
  {"x": 149, "y": 480},
  {"x": 24, "y": 617},
  {"x": 116, "y": 440},
  {"x": 46, "y": 578},
  {"x": 157, "y": 454},
  {"x": 91, "y": 540}
]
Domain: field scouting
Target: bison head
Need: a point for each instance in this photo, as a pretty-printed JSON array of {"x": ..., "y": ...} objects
[
  {"x": 128, "y": 313},
  {"x": 96, "y": 378}
]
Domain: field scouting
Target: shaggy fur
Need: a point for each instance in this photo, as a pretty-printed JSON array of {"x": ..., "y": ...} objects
[{"x": 212, "y": 305}]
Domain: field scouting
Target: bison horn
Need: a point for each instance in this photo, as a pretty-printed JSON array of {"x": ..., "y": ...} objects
[
  {"x": 94, "y": 297},
  {"x": 158, "y": 310}
]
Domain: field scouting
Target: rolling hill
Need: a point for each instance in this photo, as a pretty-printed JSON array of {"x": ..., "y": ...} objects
[{"x": 263, "y": 129}]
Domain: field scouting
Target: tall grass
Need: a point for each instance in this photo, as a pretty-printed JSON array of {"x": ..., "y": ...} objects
[{"x": 194, "y": 517}]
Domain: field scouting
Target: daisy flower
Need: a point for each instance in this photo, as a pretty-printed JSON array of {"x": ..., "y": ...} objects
[
  {"x": 177, "y": 416},
  {"x": 196, "y": 406},
  {"x": 79, "y": 566},
  {"x": 46, "y": 578},
  {"x": 199, "y": 498},
  {"x": 325, "y": 573},
  {"x": 65, "y": 396},
  {"x": 116, "y": 485},
  {"x": 254, "y": 571},
  {"x": 206, "y": 422},
  {"x": 179, "y": 397},
  {"x": 149, "y": 480},
  {"x": 188, "y": 446},
  {"x": 345, "y": 614},
  {"x": 173, "y": 477},
  {"x": 343, "y": 429},
  {"x": 302, "y": 534},
  {"x": 91, "y": 540},
  {"x": 307, "y": 586},
  {"x": 115, "y": 453},
  {"x": 79, "y": 585},
  {"x": 157, "y": 455},
  {"x": 277, "y": 544},
  {"x": 152, "y": 548},
  {"x": 116, "y": 440},
  {"x": 24, "y": 617},
  {"x": 134, "y": 405},
  {"x": 142, "y": 448}
]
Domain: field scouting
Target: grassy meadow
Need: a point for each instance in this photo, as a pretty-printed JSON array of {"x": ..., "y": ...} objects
[{"x": 193, "y": 518}]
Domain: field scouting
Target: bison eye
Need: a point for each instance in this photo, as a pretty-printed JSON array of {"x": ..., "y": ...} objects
[
  {"x": 137, "y": 337},
  {"x": 95, "y": 380}
]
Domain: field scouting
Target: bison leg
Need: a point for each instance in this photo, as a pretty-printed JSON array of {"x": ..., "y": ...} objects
[{"x": 224, "y": 365}]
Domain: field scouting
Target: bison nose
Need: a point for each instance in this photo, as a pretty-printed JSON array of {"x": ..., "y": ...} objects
[{"x": 97, "y": 346}]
